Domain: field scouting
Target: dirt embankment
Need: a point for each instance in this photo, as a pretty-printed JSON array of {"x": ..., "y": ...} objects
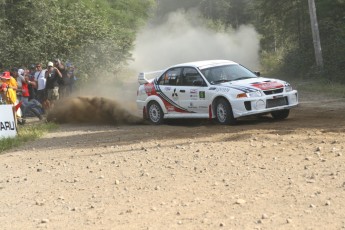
[{"x": 259, "y": 174}]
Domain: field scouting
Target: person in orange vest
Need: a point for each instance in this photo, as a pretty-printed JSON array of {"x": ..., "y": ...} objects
[
  {"x": 9, "y": 94},
  {"x": 8, "y": 79},
  {"x": 11, "y": 82}
]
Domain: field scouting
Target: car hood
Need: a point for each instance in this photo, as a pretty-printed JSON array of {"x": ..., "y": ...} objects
[{"x": 254, "y": 84}]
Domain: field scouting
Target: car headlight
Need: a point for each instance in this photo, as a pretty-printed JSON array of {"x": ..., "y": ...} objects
[
  {"x": 255, "y": 94},
  {"x": 251, "y": 94},
  {"x": 288, "y": 88}
]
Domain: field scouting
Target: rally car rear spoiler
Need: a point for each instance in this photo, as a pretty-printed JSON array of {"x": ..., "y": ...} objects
[{"x": 142, "y": 78}]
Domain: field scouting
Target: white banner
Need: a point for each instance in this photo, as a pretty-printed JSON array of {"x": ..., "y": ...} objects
[{"x": 7, "y": 122}]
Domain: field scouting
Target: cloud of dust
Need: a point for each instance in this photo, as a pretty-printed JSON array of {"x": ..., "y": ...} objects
[
  {"x": 182, "y": 37},
  {"x": 97, "y": 110}
]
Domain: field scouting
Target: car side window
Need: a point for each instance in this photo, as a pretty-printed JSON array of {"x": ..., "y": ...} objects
[
  {"x": 170, "y": 77},
  {"x": 190, "y": 77}
]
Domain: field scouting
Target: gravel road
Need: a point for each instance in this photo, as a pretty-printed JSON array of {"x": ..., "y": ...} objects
[{"x": 259, "y": 174}]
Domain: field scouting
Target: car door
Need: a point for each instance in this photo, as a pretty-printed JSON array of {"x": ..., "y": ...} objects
[
  {"x": 192, "y": 89},
  {"x": 169, "y": 92}
]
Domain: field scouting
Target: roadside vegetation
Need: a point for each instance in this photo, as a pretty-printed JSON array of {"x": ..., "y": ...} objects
[
  {"x": 26, "y": 133},
  {"x": 285, "y": 29},
  {"x": 100, "y": 35},
  {"x": 93, "y": 35},
  {"x": 321, "y": 87}
]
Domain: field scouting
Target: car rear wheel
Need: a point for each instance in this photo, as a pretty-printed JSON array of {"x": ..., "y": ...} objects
[
  {"x": 155, "y": 113},
  {"x": 224, "y": 112},
  {"x": 280, "y": 114}
]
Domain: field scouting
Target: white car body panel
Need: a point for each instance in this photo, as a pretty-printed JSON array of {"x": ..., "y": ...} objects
[{"x": 191, "y": 101}]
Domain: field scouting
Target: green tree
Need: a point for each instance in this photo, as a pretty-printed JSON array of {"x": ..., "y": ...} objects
[
  {"x": 285, "y": 30},
  {"x": 228, "y": 12},
  {"x": 287, "y": 44},
  {"x": 93, "y": 34},
  {"x": 331, "y": 16}
]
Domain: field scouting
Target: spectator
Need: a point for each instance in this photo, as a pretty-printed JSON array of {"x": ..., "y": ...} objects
[
  {"x": 20, "y": 81},
  {"x": 53, "y": 76},
  {"x": 28, "y": 85},
  {"x": 32, "y": 83},
  {"x": 65, "y": 84},
  {"x": 32, "y": 107},
  {"x": 40, "y": 81},
  {"x": 8, "y": 95},
  {"x": 11, "y": 83},
  {"x": 72, "y": 77}
]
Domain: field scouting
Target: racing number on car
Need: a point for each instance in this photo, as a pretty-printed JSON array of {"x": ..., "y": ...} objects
[{"x": 202, "y": 94}]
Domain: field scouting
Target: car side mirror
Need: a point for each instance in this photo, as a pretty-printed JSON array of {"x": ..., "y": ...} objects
[
  {"x": 257, "y": 73},
  {"x": 198, "y": 83}
]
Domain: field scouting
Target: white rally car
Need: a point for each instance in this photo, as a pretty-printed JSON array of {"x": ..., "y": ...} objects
[{"x": 218, "y": 89}]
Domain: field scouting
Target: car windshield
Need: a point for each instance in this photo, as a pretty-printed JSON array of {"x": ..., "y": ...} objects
[{"x": 219, "y": 74}]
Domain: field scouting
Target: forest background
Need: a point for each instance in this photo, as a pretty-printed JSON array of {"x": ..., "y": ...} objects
[{"x": 100, "y": 35}]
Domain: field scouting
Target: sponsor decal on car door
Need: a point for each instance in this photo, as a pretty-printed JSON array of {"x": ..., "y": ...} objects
[
  {"x": 187, "y": 99},
  {"x": 168, "y": 91},
  {"x": 198, "y": 100},
  {"x": 193, "y": 97}
]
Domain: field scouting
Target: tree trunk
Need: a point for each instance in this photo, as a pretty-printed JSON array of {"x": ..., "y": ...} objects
[{"x": 316, "y": 35}]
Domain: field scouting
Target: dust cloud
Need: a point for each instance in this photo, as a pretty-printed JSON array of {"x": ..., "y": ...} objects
[
  {"x": 181, "y": 37},
  {"x": 96, "y": 110}
]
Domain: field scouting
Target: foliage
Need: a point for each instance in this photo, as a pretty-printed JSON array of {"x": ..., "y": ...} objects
[
  {"x": 100, "y": 34},
  {"x": 91, "y": 34},
  {"x": 285, "y": 28},
  {"x": 332, "y": 32},
  {"x": 286, "y": 35},
  {"x": 228, "y": 12}
]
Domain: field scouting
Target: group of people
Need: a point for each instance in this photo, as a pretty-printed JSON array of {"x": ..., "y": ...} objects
[{"x": 34, "y": 90}]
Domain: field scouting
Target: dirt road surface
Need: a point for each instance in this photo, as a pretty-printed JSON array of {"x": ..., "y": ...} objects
[{"x": 259, "y": 174}]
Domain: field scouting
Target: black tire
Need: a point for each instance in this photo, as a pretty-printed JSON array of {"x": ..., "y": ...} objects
[
  {"x": 224, "y": 114},
  {"x": 280, "y": 114},
  {"x": 155, "y": 113}
]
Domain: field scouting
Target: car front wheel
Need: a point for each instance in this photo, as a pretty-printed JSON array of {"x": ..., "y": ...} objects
[
  {"x": 155, "y": 113},
  {"x": 280, "y": 114},
  {"x": 224, "y": 112}
]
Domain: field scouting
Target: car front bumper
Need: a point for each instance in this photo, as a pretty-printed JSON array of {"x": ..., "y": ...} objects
[{"x": 266, "y": 104}]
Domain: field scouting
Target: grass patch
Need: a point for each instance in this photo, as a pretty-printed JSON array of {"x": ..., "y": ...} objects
[
  {"x": 329, "y": 89},
  {"x": 317, "y": 86},
  {"x": 26, "y": 133}
]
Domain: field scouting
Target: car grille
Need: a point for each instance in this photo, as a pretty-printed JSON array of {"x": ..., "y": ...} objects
[
  {"x": 271, "y": 103},
  {"x": 273, "y": 91}
]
